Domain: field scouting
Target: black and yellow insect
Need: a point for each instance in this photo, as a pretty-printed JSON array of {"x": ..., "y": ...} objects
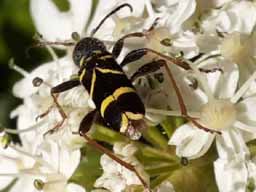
[
  {"x": 117, "y": 103},
  {"x": 109, "y": 88}
]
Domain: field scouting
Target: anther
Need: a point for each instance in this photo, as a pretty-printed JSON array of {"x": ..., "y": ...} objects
[
  {"x": 37, "y": 81},
  {"x": 39, "y": 184},
  {"x": 184, "y": 161},
  {"x": 166, "y": 42},
  {"x": 5, "y": 140},
  {"x": 75, "y": 36}
]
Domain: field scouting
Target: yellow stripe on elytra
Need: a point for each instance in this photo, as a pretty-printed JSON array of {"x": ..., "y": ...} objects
[
  {"x": 81, "y": 61},
  {"x": 82, "y": 75},
  {"x": 97, "y": 51},
  {"x": 117, "y": 93},
  {"x": 122, "y": 90},
  {"x": 105, "y": 57},
  {"x": 92, "y": 84},
  {"x": 88, "y": 59},
  {"x": 105, "y": 103},
  {"x": 124, "y": 123},
  {"x": 134, "y": 116},
  {"x": 109, "y": 71}
]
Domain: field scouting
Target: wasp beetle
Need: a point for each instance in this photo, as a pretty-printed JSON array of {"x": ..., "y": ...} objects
[{"x": 117, "y": 103}]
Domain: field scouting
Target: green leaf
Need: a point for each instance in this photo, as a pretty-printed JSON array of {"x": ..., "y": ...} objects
[{"x": 89, "y": 169}]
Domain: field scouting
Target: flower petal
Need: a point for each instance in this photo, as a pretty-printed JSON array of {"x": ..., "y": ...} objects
[
  {"x": 231, "y": 176},
  {"x": 239, "y": 17},
  {"x": 56, "y": 25},
  {"x": 190, "y": 141},
  {"x": 228, "y": 82},
  {"x": 72, "y": 187},
  {"x": 230, "y": 143},
  {"x": 180, "y": 14}
]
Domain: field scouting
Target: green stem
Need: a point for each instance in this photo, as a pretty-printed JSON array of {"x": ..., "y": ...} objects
[
  {"x": 161, "y": 169},
  {"x": 151, "y": 155},
  {"x": 171, "y": 123},
  {"x": 157, "y": 181},
  {"x": 155, "y": 137},
  {"x": 107, "y": 135}
]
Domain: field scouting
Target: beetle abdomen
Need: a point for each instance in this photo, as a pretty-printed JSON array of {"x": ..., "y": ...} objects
[{"x": 113, "y": 94}]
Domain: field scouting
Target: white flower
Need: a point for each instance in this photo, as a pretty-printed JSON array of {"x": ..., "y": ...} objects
[
  {"x": 54, "y": 158},
  {"x": 55, "y": 25},
  {"x": 240, "y": 49},
  {"x": 237, "y": 16},
  {"x": 11, "y": 163},
  {"x": 175, "y": 13},
  {"x": 37, "y": 100},
  {"x": 47, "y": 161},
  {"x": 236, "y": 173},
  {"x": 115, "y": 177},
  {"x": 225, "y": 112},
  {"x": 222, "y": 109},
  {"x": 124, "y": 21}
]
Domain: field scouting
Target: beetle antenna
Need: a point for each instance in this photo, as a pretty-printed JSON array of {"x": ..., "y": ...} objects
[
  {"x": 43, "y": 43},
  {"x": 108, "y": 15}
]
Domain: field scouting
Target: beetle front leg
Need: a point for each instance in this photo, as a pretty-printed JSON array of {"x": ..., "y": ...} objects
[
  {"x": 120, "y": 43},
  {"x": 54, "y": 93}
]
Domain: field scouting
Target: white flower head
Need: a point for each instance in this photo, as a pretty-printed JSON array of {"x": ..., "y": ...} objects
[
  {"x": 56, "y": 25},
  {"x": 115, "y": 177},
  {"x": 223, "y": 111}
]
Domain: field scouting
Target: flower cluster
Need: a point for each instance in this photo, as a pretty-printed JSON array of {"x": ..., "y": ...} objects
[{"x": 211, "y": 147}]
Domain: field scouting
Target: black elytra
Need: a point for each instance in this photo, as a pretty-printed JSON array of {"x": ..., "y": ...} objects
[
  {"x": 110, "y": 89},
  {"x": 117, "y": 102}
]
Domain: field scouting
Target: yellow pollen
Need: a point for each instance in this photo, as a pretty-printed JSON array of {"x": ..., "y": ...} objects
[{"x": 218, "y": 115}]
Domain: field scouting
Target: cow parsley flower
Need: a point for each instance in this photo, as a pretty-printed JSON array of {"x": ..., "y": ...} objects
[
  {"x": 223, "y": 110},
  {"x": 219, "y": 37},
  {"x": 116, "y": 178}
]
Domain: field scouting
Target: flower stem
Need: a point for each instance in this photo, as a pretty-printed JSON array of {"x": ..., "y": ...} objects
[
  {"x": 157, "y": 181},
  {"x": 154, "y": 136},
  {"x": 161, "y": 169},
  {"x": 107, "y": 135}
]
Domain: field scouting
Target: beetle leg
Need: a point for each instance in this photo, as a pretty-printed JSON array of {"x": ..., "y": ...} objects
[
  {"x": 87, "y": 122},
  {"x": 54, "y": 93},
  {"x": 85, "y": 126},
  {"x": 139, "y": 53},
  {"x": 109, "y": 153},
  {"x": 120, "y": 43},
  {"x": 147, "y": 69}
]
